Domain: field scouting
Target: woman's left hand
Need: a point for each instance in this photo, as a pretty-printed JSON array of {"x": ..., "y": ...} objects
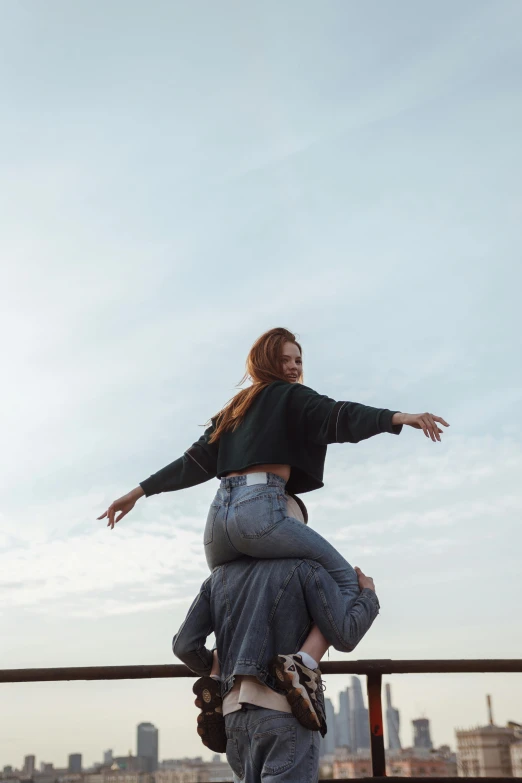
[{"x": 123, "y": 505}]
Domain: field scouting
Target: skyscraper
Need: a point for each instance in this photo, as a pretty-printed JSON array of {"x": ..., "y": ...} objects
[
  {"x": 392, "y": 722},
  {"x": 75, "y": 762},
  {"x": 421, "y": 733},
  {"x": 148, "y": 745},
  {"x": 107, "y": 757},
  {"x": 29, "y": 766},
  {"x": 359, "y": 727},
  {"x": 344, "y": 735},
  {"x": 328, "y": 742}
]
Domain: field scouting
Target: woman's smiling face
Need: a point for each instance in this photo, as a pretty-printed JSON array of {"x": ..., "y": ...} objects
[{"x": 291, "y": 362}]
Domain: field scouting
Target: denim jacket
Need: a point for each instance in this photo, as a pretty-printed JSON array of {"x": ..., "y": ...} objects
[
  {"x": 287, "y": 424},
  {"x": 259, "y": 608}
]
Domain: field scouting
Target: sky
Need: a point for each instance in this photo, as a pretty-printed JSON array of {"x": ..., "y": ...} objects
[{"x": 176, "y": 178}]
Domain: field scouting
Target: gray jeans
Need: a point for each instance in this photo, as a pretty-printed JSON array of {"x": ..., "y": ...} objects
[
  {"x": 265, "y": 746},
  {"x": 253, "y": 521}
]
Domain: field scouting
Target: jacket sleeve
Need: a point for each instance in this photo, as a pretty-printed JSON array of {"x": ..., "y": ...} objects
[
  {"x": 343, "y": 624},
  {"x": 197, "y": 465},
  {"x": 328, "y": 421},
  {"x": 189, "y": 643}
]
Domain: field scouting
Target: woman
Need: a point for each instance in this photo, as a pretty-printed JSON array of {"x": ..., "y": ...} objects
[{"x": 266, "y": 445}]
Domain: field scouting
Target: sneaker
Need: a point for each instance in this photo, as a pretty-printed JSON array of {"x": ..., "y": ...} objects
[
  {"x": 303, "y": 688},
  {"x": 211, "y": 723}
]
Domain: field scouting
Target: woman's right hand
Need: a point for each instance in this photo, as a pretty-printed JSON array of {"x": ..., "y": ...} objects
[
  {"x": 426, "y": 422},
  {"x": 123, "y": 505}
]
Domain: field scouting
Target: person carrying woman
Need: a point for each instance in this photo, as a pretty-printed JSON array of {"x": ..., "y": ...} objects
[{"x": 267, "y": 445}]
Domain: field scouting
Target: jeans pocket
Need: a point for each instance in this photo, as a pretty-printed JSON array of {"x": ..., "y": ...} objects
[
  {"x": 257, "y": 514},
  {"x": 275, "y": 749},
  {"x": 209, "y": 527},
  {"x": 233, "y": 757}
]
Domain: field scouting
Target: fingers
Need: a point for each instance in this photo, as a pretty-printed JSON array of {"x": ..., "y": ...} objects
[
  {"x": 430, "y": 428},
  {"x": 424, "y": 425},
  {"x": 111, "y": 511}
]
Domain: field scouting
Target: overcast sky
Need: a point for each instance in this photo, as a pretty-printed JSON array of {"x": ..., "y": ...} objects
[{"x": 176, "y": 178}]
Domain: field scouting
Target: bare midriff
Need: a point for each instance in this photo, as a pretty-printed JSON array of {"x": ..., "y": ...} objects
[{"x": 280, "y": 470}]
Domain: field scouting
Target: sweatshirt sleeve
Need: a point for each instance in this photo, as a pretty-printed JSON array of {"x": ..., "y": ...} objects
[
  {"x": 328, "y": 421},
  {"x": 197, "y": 465}
]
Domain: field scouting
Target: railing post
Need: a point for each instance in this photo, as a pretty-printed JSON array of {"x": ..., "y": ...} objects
[{"x": 374, "y": 683}]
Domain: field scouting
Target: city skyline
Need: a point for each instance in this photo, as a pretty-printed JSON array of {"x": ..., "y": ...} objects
[
  {"x": 340, "y": 732},
  {"x": 481, "y": 751},
  {"x": 175, "y": 182}
]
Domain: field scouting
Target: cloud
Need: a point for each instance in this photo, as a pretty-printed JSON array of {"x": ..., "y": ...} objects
[
  {"x": 409, "y": 506},
  {"x": 106, "y": 572}
]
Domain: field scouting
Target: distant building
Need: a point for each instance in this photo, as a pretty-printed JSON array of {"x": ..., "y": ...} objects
[
  {"x": 195, "y": 771},
  {"x": 177, "y": 763},
  {"x": 328, "y": 742},
  {"x": 122, "y": 776},
  {"x": 29, "y": 766},
  {"x": 420, "y": 763},
  {"x": 399, "y": 763},
  {"x": 343, "y": 733},
  {"x": 107, "y": 757},
  {"x": 75, "y": 762},
  {"x": 46, "y": 768},
  {"x": 182, "y": 774},
  {"x": 352, "y": 766},
  {"x": 392, "y": 722},
  {"x": 147, "y": 742},
  {"x": 516, "y": 758},
  {"x": 485, "y": 751},
  {"x": 421, "y": 734},
  {"x": 93, "y": 777},
  {"x": 130, "y": 763},
  {"x": 359, "y": 726},
  {"x": 351, "y": 729}
]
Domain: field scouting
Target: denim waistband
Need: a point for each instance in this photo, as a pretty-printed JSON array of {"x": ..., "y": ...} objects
[{"x": 256, "y": 478}]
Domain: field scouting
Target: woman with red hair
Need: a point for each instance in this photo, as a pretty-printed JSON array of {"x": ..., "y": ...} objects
[{"x": 267, "y": 445}]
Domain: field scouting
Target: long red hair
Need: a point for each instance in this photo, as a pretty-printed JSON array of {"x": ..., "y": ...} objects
[{"x": 263, "y": 367}]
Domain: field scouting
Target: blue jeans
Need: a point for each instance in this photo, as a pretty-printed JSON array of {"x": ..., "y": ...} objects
[
  {"x": 265, "y": 746},
  {"x": 253, "y": 521}
]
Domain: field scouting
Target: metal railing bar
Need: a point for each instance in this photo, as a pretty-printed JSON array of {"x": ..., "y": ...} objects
[
  {"x": 374, "y": 685},
  {"x": 364, "y": 667}
]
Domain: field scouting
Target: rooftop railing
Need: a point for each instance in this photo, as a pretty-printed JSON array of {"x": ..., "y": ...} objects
[{"x": 372, "y": 669}]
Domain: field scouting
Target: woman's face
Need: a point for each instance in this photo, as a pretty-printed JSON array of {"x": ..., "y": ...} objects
[{"x": 292, "y": 364}]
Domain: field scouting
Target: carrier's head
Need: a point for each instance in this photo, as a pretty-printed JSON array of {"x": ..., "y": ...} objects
[{"x": 275, "y": 356}]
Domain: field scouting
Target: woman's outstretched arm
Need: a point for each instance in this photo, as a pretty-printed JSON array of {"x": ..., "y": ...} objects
[
  {"x": 328, "y": 421},
  {"x": 197, "y": 465}
]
